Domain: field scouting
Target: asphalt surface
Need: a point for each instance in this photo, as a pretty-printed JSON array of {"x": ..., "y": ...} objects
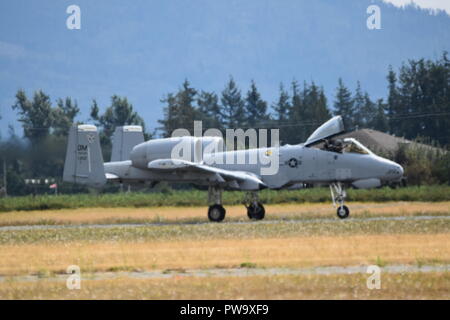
[{"x": 238, "y": 272}]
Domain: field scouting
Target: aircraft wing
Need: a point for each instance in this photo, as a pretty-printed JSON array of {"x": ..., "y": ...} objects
[{"x": 234, "y": 179}]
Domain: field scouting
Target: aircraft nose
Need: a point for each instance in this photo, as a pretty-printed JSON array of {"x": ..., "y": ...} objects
[
  {"x": 395, "y": 171},
  {"x": 389, "y": 170}
]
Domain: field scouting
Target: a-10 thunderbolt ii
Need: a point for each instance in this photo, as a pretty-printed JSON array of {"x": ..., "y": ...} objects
[{"x": 337, "y": 163}]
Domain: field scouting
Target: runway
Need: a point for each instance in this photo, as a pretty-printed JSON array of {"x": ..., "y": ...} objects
[
  {"x": 236, "y": 272},
  {"x": 271, "y": 221}
]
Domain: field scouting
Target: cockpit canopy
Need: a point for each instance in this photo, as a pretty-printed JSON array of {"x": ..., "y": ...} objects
[
  {"x": 347, "y": 145},
  {"x": 352, "y": 145},
  {"x": 332, "y": 127},
  {"x": 322, "y": 138}
]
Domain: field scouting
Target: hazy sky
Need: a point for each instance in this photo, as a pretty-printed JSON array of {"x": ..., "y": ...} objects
[
  {"x": 428, "y": 4},
  {"x": 145, "y": 49}
]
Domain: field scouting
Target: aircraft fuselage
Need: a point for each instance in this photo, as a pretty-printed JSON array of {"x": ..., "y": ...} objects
[{"x": 296, "y": 164}]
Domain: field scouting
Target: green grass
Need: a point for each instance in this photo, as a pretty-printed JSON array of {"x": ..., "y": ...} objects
[
  {"x": 248, "y": 265},
  {"x": 380, "y": 262},
  {"x": 198, "y": 198}
]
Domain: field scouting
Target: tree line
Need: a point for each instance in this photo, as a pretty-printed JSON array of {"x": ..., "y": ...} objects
[{"x": 417, "y": 107}]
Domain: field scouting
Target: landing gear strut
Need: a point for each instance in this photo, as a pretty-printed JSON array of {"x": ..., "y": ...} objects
[
  {"x": 342, "y": 211},
  {"x": 216, "y": 211},
  {"x": 255, "y": 209}
]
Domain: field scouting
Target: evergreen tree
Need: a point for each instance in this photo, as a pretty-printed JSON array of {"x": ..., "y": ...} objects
[
  {"x": 296, "y": 126},
  {"x": 119, "y": 113},
  {"x": 310, "y": 99},
  {"x": 359, "y": 102},
  {"x": 296, "y": 102},
  {"x": 170, "y": 120},
  {"x": 209, "y": 109},
  {"x": 255, "y": 108},
  {"x": 322, "y": 112},
  {"x": 187, "y": 114},
  {"x": 343, "y": 105},
  {"x": 282, "y": 107},
  {"x": 393, "y": 101},
  {"x": 379, "y": 121},
  {"x": 315, "y": 110},
  {"x": 180, "y": 111},
  {"x": 232, "y": 114},
  {"x": 422, "y": 100},
  {"x": 282, "y": 110}
]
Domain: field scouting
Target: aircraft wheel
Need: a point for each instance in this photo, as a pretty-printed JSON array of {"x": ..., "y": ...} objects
[
  {"x": 216, "y": 213},
  {"x": 343, "y": 212},
  {"x": 256, "y": 212}
]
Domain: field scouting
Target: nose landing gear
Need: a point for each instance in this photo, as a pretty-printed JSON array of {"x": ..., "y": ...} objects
[{"x": 343, "y": 211}]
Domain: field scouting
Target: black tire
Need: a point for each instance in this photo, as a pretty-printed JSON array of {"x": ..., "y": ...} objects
[
  {"x": 256, "y": 212},
  {"x": 216, "y": 213},
  {"x": 343, "y": 212}
]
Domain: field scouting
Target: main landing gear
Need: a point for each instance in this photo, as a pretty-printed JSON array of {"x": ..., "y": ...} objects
[
  {"x": 255, "y": 209},
  {"x": 342, "y": 211},
  {"x": 216, "y": 212}
]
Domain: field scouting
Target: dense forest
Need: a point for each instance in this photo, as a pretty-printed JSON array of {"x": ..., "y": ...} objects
[{"x": 417, "y": 107}]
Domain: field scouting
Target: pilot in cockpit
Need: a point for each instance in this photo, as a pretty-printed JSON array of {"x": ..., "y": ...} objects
[
  {"x": 347, "y": 145},
  {"x": 333, "y": 145}
]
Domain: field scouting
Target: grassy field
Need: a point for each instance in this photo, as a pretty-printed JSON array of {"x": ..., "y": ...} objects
[
  {"x": 294, "y": 251},
  {"x": 290, "y": 238},
  {"x": 267, "y": 244},
  {"x": 198, "y": 198},
  {"x": 393, "y": 286}
]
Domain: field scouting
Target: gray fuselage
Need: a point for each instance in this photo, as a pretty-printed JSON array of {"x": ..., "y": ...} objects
[{"x": 296, "y": 164}]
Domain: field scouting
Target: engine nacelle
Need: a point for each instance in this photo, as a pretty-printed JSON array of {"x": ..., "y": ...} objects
[
  {"x": 186, "y": 148},
  {"x": 367, "y": 183}
]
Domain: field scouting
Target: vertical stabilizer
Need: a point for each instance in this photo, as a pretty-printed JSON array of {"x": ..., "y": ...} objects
[
  {"x": 84, "y": 160},
  {"x": 123, "y": 141}
]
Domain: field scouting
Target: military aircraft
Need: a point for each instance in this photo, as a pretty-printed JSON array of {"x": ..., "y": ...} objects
[{"x": 321, "y": 159}]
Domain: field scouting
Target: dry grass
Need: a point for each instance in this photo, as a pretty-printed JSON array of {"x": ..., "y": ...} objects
[
  {"x": 393, "y": 286},
  {"x": 299, "y": 251},
  {"x": 188, "y": 246},
  {"x": 173, "y": 214}
]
